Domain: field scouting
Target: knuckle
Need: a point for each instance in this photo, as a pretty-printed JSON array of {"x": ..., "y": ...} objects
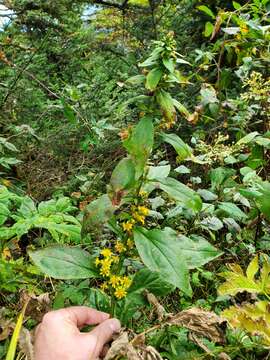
[{"x": 48, "y": 318}]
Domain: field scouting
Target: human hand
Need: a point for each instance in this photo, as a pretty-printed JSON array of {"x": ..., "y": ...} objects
[{"x": 58, "y": 336}]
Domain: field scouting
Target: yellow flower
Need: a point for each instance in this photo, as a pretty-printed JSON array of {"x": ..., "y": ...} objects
[
  {"x": 106, "y": 252},
  {"x": 130, "y": 244},
  {"x": 127, "y": 226},
  {"x": 126, "y": 282},
  {"x": 120, "y": 292},
  {"x": 97, "y": 261},
  {"x": 114, "y": 281},
  {"x": 105, "y": 267},
  {"x": 138, "y": 217},
  {"x": 119, "y": 247},
  {"x": 115, "y": 259},
  {"x": 143, "y": 193},
  {"x": 143, "y": 210},
  {"x": 104, "y": 286}
]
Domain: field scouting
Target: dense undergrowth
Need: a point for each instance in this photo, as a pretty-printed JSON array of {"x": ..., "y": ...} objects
[{"x": 134, "y": 172}]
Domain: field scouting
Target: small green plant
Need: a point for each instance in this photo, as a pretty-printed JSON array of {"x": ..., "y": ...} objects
[{"x": 19, "y": 215}]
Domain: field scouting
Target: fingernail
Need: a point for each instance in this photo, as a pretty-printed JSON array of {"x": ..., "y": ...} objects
[
  {"x": 115, "y": 325},
  {"x": 105, "y": 315}
]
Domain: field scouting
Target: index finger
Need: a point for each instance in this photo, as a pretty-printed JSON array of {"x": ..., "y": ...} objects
[{"x": 80, "y": 315}]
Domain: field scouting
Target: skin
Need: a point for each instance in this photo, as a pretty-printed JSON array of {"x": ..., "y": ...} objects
[{"x": 58, "y": 337}]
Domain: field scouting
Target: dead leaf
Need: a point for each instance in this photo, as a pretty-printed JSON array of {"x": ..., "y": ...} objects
[
  {"x": 26, "y": 343},
  {"x": 119, "y": 347},
  {"x": 198, "y": 342},
  {"x": 6, "y": 326},
  {"x": 193, "y": 118},
  {"x": 216, "y": 27},
  {"x": 37, "y": 305},
  {"x": 201, "y": 322},
  {"x": 150, "y": 353},
  {"x": 223, "y": 356},
  {"x": 159, "y": 309}
]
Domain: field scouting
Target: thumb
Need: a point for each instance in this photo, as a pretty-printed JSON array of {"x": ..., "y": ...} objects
[{"x": 101, "y": 335}]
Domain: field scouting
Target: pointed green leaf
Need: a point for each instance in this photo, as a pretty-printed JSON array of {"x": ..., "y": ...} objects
[
  {"x": 153, "y": 79},
  {"x": 63, "y": 262},
  {"x": 180, "y": 193},
  {"x": 140, "y": 144},
  {"x": 206, "y": 10},
  {"x": 253, "y": 268},
  {"x": 97, "y": 213},
  {"x": 182, "y": 149},
  {"x": 123, "y": 175},
  {"x": 197, "y": 251},
  {"x": 169, "y": 64},
  {"x": 165, "y": 102},
  {"x": 160, "y": 252}
]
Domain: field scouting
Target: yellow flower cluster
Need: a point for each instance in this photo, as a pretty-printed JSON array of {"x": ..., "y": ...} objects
[
  {"x": 128, "y": 225},
  {"x": 107, "y": 261},
  {"x": 119, "y": 247},
  {"x": 138, "y": 215},
  {"x": 119, "y": 284}
]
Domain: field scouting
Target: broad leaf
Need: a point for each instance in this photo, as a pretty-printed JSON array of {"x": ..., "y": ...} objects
[
  {"x": 182, "y": 149},
  {"x": 160, "y": 252},
  {"x": 206, "y": 10},
  {"x": 232, "y": 210},
  {"x": 140, "y": 143},
  {"x": 197, "y": 251},
  {"x": 97, "y": 213},
  {"x": 153, "y": 78},
  {"x": 123, "y": 176},
  {"x": 180, "y": 193},
  {"x": 169, "y": 64},
  {"x": 63, "y": 262},
  {"x": 165, "y": 101},
  {"x": 152, "y": 281}
]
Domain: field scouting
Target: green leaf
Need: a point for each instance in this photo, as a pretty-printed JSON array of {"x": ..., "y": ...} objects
[
  {"x": 236, "y": 282},
  {"x": 212, "y": 223},
  {"x": 63, "y": 262},
  {"x": 136, "y": 80},
  {"x": 169, "y": 64},
  {"x": 253, "y": 268},
  {"x": 208, "y": 95},
  {"x": 206, "y": 10},
  {"x": 97, "y": 213},
  {"x": 263, "y": 201},
  {"x": 165, "y": 102},
  {"x": 197, "y": 251},
  {"x": 180, "y": 192},
  {"x": 232, "y": 210},
  {"x": 181, "y": 108},
  {"x": 208, "y": 30},
  {"x": 153, "y": 79},
  {"x": 182, "y": 149},
  {"x": 160, "y": 252},
  {"x": 248, "y": 138},
  {"x": 4, "y": 213},
  {"x": 152, "y": 281},
  {"x": 236, "y": 5},
  {"x": 27, "y": 208},
  {"x": 219, "y": 175},
  {"x": 123, "y": 176},
  {"x": 140, "y": 144},
  {"x": 72, "y": 232},
  {"x": 207, "y": 195}
]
